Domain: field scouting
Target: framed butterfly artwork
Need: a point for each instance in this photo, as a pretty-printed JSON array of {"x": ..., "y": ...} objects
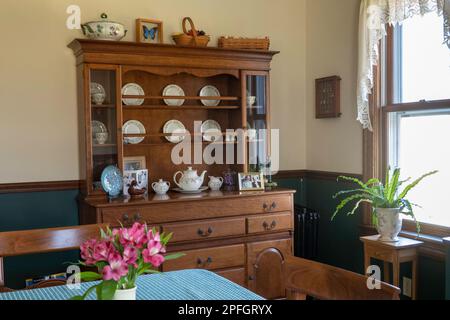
[{"x": 149, "y": 31}]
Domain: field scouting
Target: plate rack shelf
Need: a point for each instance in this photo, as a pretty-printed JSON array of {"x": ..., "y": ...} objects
[{"x": 241, "y": 77}]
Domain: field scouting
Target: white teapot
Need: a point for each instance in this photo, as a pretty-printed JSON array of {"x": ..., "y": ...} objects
[
  {"x": 190, "y": 180},
  {"x": 215, "y": 183},
  {"x": 161, "y": 187}
]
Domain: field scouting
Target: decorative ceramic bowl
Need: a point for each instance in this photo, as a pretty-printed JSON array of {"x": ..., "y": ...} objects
[
  {"x": 101, "y": 137},
  {"x": 104, "y": 30},
  {"x": 98, "y": 98}
]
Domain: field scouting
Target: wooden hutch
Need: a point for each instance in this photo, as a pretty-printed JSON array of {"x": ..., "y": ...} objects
[{"x": 241, "y": 236}]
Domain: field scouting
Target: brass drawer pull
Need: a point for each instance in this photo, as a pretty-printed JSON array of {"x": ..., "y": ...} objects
[
  {"x": 202, "y": 263},
  {"x": 268, "y": 208},
  {"x": 205, "y": 234},
  {"x": 137, "y": 217},
  {"x": 270, "y": 227},
  {"x": 125, "y": 218}
]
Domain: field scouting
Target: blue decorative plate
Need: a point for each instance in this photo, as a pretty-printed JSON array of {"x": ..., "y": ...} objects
[{"x": 112, "y": 181}]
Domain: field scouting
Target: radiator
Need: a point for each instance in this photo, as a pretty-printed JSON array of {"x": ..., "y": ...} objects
[{"x": 306, "y": 236}]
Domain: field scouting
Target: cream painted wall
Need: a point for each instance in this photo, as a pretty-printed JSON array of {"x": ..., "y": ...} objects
[
  {"x": 331, "y": 49},
  {"x": 38, "y": 117}
]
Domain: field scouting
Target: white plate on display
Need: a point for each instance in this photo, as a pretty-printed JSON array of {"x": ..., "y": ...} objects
[
  {"x": 133, "y": 89},
  {"x": 98, "y": 127},
  {"x": 174, "y": 127},
  {"x": 210, "y": 91},
  {"x": 202, "y": 189},
  {"x": 210, "y": 130},
  {"x": 133, "y": 127},
  {"x": 173, "y": 90}
]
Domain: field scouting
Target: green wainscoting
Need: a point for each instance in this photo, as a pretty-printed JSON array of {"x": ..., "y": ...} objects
[{"x": 22, "y": 211}]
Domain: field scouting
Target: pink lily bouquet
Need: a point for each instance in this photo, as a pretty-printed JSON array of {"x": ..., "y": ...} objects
[{"x": 121, "y": 256}]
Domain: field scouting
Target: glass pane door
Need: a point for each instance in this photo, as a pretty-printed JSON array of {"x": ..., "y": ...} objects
[
  {"x": 257, "y": 121},
  {"x": 103, "y": 122}
]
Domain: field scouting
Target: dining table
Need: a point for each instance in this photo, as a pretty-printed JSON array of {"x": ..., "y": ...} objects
[{"x": 176, "y": 285}]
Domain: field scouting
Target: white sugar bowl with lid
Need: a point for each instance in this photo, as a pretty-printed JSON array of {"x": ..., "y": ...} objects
[
  {"x": 215, "y": 183},
  {"x": 161, "y": 187}
]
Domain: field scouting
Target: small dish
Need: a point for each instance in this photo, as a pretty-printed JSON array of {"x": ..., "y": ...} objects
[
  {"x": 174, "y": 126},
  {"x": 112, "y": 181},
  {"x": 133, "y": 89},
  {"x": 98, "y": 93},
  {"x": 133, "y": 127},
  {"x": 98, "y": 127},
  {"x": 210, "y": 130},
  {"x": 210, "y": 91},
  {"x": 173, "y": 90}
]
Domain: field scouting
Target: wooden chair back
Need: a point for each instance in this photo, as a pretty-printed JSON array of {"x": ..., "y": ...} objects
[
  {"x": 17, "y": 243},
  {"x": 305, "y": 278}
]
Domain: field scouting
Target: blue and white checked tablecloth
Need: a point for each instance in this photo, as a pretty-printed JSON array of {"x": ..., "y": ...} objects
[{"x": 179, "y": 285}]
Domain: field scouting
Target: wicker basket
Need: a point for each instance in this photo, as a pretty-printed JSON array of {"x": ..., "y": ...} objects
[
  {"x": 185, "y": 39},
  {"x": 244, "y": 43}
]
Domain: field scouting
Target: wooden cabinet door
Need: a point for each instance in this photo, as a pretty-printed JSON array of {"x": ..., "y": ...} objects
[{"x": 265, "y": 267}]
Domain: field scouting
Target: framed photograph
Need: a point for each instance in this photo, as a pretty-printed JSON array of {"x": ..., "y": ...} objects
[
  {"x": 149, "y": 31},
  {"x": 134, "y": 163},
  {"x": 140, "y": 176},
  {"x": 251, "y": 181}
]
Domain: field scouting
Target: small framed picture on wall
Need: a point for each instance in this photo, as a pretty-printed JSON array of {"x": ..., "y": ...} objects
[
  {"x": 251, "y": 181},
  {"x": 149, "y": 31}
]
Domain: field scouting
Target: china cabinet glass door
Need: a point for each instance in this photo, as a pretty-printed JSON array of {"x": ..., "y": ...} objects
[
  {"x": 257, "y": 119},
  {"x": 104, "y": 114}
]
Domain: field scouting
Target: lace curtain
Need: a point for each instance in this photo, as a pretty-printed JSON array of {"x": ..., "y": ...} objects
[{"x": 374, "y": 16}]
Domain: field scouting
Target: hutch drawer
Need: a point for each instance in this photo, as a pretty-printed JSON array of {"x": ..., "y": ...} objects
[
  {"x": 235, "y": 275},
  {"x": 269, "y": 223},
  {"x": 209, "y": 258},
  {"x": 205, "y": 229},
  {"x": 173, "y": 212}
]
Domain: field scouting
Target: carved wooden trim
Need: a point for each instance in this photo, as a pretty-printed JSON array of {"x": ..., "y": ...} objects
[
  {"x": 170, "y": 71},
  {"x": 39, "y": 186}
]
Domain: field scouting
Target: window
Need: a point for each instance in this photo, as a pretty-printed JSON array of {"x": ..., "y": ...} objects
[{"x": 417, "y": 110}]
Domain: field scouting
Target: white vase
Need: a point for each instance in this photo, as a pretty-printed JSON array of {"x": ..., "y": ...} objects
[
  {"x": 128, "y": 294},
  {"x": 389, "y": 224}
]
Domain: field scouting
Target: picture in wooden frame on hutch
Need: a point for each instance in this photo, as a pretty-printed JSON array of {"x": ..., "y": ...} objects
[
  {"x": 227, "y": 226},
  {"x": 149, "y": 31}
]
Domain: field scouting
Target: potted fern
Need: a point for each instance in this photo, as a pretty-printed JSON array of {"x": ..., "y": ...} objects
[{"x": 387, "y": 201}]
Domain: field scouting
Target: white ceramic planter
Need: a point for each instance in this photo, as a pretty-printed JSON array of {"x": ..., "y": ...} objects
[
  {"x": 129, "y": 294},
  {"x": 389, "y": 224}
]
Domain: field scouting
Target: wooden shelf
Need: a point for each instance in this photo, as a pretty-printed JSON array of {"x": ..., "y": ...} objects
[
  {"x": 181, "y": 98},
  {"x": 162, "y": 144},
  {"x": 103, "y": 106},
  {"x": 136, "y": 135},
  {"x": 171, "y": 108},
  {"x": 104, "y": 145}
]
